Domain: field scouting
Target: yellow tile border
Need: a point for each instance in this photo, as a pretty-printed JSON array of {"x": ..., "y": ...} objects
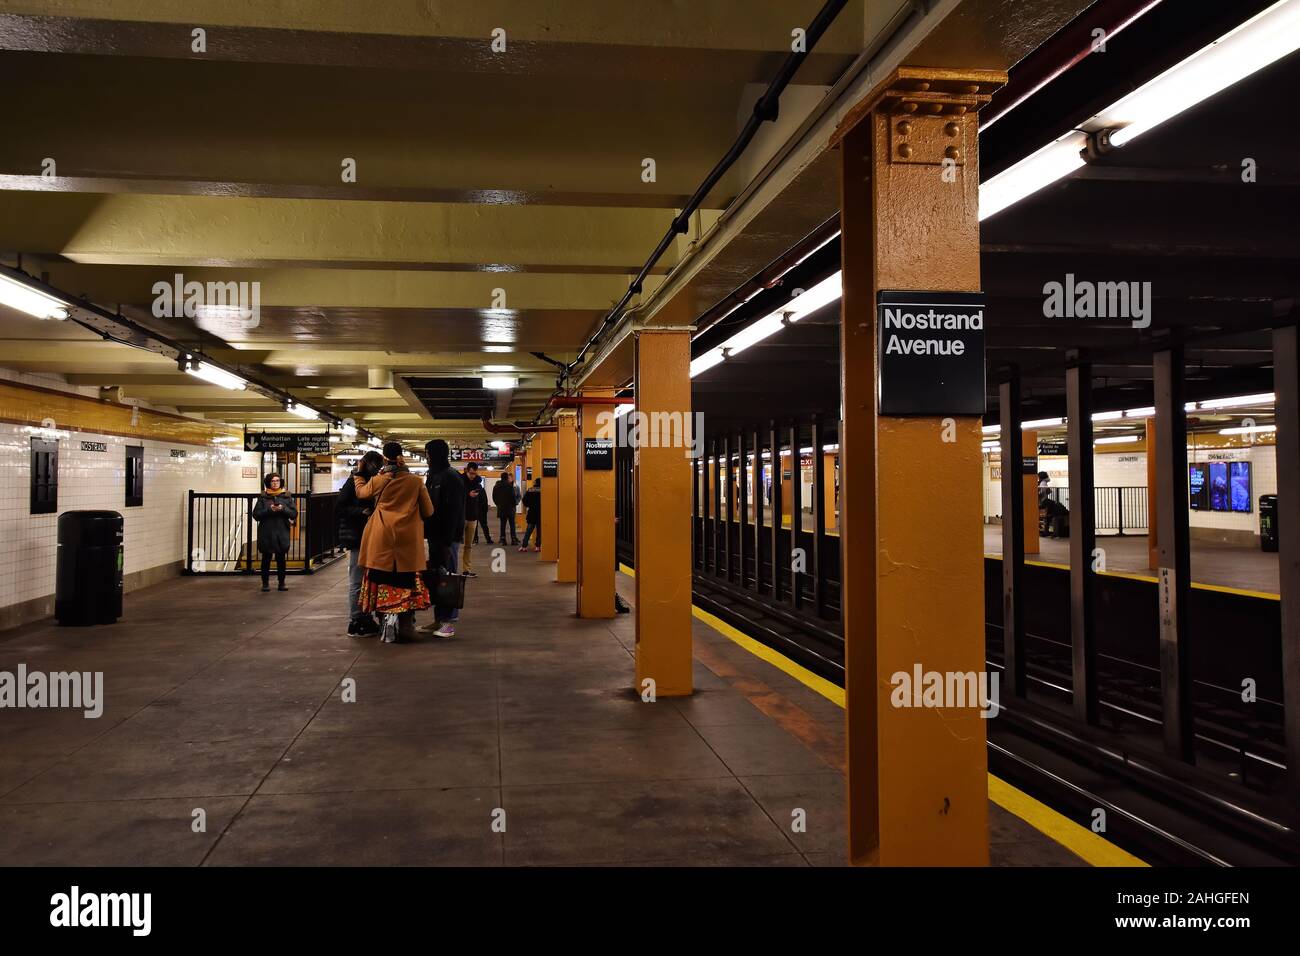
[{"x": 1082, "y": 842}]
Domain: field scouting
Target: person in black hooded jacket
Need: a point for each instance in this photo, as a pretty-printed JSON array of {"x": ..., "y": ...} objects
[
  {"x": 446, "y": 529},
  {"x": 351, "y": 513}
]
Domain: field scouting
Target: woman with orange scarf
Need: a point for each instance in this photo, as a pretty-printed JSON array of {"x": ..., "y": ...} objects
[{"x": 392, "y": 546}]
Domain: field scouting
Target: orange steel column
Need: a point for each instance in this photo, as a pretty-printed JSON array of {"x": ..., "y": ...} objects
[
  {"x": 545, "y": 447},
  {"x": 1153, "y": 552},
  {"x": 566, "y": 571},
  {"x": 917, "y": 775},
  {"x": 1029, "y": 449},
  {"x": 828, "y": 490},
  {"x": 787, "y": 495},
  {"x": 596, "y": 511},
  {"x": 662, "y": 490}
]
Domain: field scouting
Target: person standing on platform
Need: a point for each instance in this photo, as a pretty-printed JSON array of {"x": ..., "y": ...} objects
[
  {"x": 392, "y": 546},
  {"x": 352, "y": 514},
  {"x": 446, "y": 529},
  {"x": 274, "y": 513},
  {"x": 504, "y": 496},
  {"x": 474, "y": 500},
  {"x": 533, "y": 515}
]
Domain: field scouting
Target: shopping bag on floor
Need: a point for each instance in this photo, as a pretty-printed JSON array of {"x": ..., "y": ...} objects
[{"x": 445, "y": 589}]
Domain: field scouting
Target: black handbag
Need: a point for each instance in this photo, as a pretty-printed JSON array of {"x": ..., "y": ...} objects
[{"x": 445, "y": 589}]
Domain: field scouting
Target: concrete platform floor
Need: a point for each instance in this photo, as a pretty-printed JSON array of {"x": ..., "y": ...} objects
[
  {"x": 1223, "y": 565},
  {"x": 224, "y": 704}
]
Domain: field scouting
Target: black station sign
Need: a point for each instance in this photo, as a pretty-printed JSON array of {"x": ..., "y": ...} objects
[
  {"x": 306, "y": 443},
  {"x": 598, "y": 454},
  {"x": 550, "y": 467},
  {"x": 1029, "y": 465},
  {"x": 931, "y": 353},
  {"x": 1053, "y": 448}
]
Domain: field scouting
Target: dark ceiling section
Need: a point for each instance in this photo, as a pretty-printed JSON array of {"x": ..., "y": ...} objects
[
  {"x": 454, "y": 398},
  {"x": 1222, "y": 254}
]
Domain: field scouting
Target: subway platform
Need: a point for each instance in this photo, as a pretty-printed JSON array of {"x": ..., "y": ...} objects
[{"x": 225, "y": 740}]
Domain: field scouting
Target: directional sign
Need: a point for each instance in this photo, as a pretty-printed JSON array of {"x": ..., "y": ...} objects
[
  {"x": 931, "y": 353},
  {"x": 308, "y": 443}
]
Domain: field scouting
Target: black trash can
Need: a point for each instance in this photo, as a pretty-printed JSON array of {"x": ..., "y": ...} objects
[
  {"x": 1268, "y": 522},
  {"x": 88, "y": 582}
]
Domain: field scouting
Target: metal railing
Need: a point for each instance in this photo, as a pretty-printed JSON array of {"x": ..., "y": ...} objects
[
  {"x": 1120, "y": 510},
  {"x": 221, "y": 535}
]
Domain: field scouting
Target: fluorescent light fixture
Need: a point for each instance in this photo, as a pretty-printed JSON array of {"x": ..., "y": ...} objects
[
  {"x": 1054, "y": 161},
  {"x": 500, "y": 381},
  {"x": 807, "y": 302},
  {"x": 1140, "y": 412},
  {"x": 1189, "y": 407},
  {"x": 621, "y": 410},
  {"x": 753, "y": 333},
  {"x": 335, "y": 439},
  {"x": 303, "y": 411},
  {"x": 1043, "y": 423},
  {"x": 1106, "y": 416},
  {"x": 214, "y": 375},
  {"x": 991, "y": 429},
  {"x": 498, "y": 444},
  {"x": 823, "y": 293},
  {"x": 706, "y": 361},
  {"x": 349, "y": 431},
  {"x": 1248, "y": 431},
  {"x": 1267, "y": 398},
  {"x": 498, "y": 368},
  {"x": 1261, "y": 40},
  {"x": 1116, "y": 440},
  {"x": 19, "y": 295}
]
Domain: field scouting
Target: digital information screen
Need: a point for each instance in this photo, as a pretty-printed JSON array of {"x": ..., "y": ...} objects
[{"x": 1239, "y": 485}]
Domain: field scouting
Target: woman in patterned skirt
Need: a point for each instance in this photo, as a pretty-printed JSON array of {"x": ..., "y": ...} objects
[{"x": 392, "y": 546}]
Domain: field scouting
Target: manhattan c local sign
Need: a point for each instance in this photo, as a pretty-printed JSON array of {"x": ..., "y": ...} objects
[
  {"x": 930, "y": 353},
  {"x": 308, "y": 443}
]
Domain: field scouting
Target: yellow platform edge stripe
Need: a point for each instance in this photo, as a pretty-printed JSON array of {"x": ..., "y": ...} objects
[
  {"x": 1079, "y": 840},
  {"x": 1265, "y": 595}
]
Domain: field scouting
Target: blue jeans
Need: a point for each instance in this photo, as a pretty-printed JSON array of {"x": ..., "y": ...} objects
[
  {"x": 528, "y": 533},
  {"x": 355, "y": 573}
]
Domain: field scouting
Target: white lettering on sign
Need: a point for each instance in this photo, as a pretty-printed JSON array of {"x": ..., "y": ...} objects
[{"x": 931, "y": 320}]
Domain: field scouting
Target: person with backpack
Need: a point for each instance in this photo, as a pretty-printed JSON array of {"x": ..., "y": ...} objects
[
  {"x": 392, "y": 546},
  {"x": 505, "y": 497},
  {"x": 533, "y": 515},
  {"x": 274, "y": 513},
  {"x": 443, "y": 532},
  {"x": 351, "y": 514}
]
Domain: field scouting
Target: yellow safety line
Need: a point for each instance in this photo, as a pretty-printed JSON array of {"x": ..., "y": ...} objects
[
  {"x": 1265, "y": 595},
  {"x": 1079, "y": 840}
]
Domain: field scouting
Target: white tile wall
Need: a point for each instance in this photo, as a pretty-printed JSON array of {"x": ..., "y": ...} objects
[
  {"x": 1129, "y": 469},
  {"x": 154, "y": 534}
]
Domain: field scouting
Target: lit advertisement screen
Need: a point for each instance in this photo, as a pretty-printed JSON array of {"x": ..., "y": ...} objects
[
  {"x": 1219, "y": 486},
  {"x": 1198, "y": 490},
  {"x": 1239, "y": 485}
]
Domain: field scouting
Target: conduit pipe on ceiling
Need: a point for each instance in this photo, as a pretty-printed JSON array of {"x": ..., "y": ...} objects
[
  {"x": 766, "y": 109},
  {"x": 518, "y": 428}
]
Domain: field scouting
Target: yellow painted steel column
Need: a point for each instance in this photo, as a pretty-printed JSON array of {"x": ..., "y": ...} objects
[
  {"x": 1029, "y": 449},
  {"x": 917, "y": 775},
  {"x": 596, "y": 511},
  {"x": 828, "y": 490},
  {"x": 566, "y": 571},
  {"x": 1153, "y": 552},
  {"x": 789, "y": 465},
  {"x": 545, "y": 447},
  {"x": 662, "y": 493}
]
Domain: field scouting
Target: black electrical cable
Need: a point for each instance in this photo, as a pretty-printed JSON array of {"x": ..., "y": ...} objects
[{"x": 766, "y": 109}]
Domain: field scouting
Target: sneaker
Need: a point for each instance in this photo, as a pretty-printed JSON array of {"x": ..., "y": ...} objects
[
  {"x": 446, "y": 630},
  {"x": 470, "y": 574},
  {"x": 368, "y": 626},
  {"x": 522, "y": 548},
  {"x": 537, "y": 549},
  {"x": 282, "y": 587},
  {"x": 354, "y": 628},
  {"x": 429, "y": 628}
]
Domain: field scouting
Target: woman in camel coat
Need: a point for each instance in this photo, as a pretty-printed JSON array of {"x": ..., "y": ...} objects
[{"x": 392, "y": 546}]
